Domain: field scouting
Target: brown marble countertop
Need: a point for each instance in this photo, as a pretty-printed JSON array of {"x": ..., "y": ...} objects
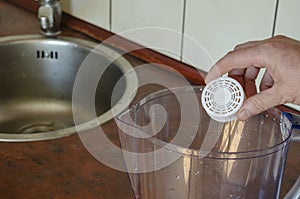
[{"x": 63, "y": 168}]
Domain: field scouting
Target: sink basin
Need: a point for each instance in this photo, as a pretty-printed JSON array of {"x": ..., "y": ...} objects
[{"x": 37, "y": 76}]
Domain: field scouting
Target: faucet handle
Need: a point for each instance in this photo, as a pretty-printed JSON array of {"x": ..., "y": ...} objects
[
  {"x": 46, "y": 1},
  {"x": 49, "y": 14},
  {"x": 45, "y": 14}
]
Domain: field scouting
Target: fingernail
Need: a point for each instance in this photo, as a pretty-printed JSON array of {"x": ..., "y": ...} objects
[
  {"x": 212, "y": 74},
  {"x": 209, "y": 77},
  {"x": 243, "y": 114}
]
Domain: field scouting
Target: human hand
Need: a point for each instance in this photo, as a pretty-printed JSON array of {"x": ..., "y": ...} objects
[{"x": 281, "y": 82}]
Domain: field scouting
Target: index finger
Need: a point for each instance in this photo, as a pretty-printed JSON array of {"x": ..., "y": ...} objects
[{"x": 237, "y": 59}]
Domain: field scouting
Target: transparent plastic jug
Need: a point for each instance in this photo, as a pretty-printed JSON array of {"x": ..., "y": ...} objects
[{"x": 173, "y": 150}]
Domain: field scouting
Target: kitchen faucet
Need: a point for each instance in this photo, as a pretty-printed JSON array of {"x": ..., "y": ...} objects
[{"x": 49, "y": 14}]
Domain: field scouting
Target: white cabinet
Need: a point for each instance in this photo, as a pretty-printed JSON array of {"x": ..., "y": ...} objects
[
  {"x": 288, "y": 19},
  {"x": 220, "y": 25},
  {"x": 93, "y": 11},
  {"x": 128, "y": 15}
]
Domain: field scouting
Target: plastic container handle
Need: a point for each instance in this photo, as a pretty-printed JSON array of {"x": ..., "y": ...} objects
[{"x": 294, "y": 192}]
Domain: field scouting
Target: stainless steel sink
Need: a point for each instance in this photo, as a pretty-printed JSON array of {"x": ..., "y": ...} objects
[{"x": 37, "y": 75}]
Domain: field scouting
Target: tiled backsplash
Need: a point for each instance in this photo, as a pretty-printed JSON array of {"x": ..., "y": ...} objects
[
  {"x": 220, "y": 25},
  {"x": 216, "y": 25},
  {"x": 288, "y": 16},
  {"x": 132, "y": 14},
  {"x": 96, "y": 12}
]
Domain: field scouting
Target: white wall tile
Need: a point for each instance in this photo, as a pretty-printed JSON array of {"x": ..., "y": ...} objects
[
  {"x": 288, "y": 16},
  {"x": 220, "y": 25},
  {"x": 93, "y": 11},
  {"x": 131, "y": 14},
  {"x": 288, "y": 24}
]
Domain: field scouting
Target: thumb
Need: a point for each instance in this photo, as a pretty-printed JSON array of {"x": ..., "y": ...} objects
[{"x": 261, "y": 102}]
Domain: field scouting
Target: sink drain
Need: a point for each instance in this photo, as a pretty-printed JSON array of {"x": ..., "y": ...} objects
[{"x": 37, "y": 128}]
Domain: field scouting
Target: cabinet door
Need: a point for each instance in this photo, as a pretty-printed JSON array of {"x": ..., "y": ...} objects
[
  {"x": 288, "y": 16},
  {"x": 218, "y": 26}
]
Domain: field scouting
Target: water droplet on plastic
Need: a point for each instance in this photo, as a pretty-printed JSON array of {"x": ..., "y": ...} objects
[
  {"x": 177, "y": 177},
  {"x": 172, "y": 189},
  {"x": 196, "y": 173}
]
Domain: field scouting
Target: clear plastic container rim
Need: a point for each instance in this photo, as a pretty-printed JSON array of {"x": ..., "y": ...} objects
[{"x": 273, "y": 112}]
